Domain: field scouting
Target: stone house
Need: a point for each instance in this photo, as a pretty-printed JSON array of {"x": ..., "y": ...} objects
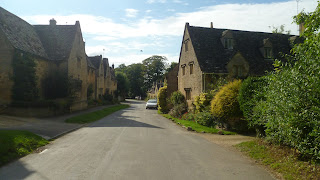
[
  {"x": 172, "y": 80},
  {"x": 105, "y": 81},
  {"x": 154, "y": 90},
  {"x": 210, "y": 53},
  {"x": 56, "y": 50}
]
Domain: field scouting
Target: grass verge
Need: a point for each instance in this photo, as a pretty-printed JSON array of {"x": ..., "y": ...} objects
[
  {"x": 96, "y": 115},
  {"x": 195, "y": 126},
  {"x": 280, "y": 159},
  {"x": 15, "y": 144}
]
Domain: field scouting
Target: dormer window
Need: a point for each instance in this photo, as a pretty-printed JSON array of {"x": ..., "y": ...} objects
[
  {"x": 228, "y": 43},
  {"x": 227, "y": 39},
  {"x": 267, "y": 52}
]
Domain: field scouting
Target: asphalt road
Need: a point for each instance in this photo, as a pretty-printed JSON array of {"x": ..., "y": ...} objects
[{"x": 135, "y": 144}]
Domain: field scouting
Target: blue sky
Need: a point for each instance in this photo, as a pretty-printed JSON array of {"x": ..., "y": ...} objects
[{"x": 129, "y": 31}]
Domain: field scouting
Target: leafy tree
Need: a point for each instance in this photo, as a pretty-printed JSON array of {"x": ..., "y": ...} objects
[
  {"x": 172, "y": 65},
  {"x": 292, "y": 106},
  {"x": 123, "y": 84},
  {"x": 135, "y": 75},
  {"x": 279, "y": 30},
  {"x": 154, "y": 68}
]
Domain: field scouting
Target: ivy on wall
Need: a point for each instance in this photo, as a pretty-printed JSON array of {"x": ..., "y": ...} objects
[{"x": 24, "y": 77}]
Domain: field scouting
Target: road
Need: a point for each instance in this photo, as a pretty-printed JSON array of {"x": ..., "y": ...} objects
[{"x": 135, "y": 144}]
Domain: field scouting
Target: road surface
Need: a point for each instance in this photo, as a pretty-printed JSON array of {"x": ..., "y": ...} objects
[{"x": 134, "y": 144}]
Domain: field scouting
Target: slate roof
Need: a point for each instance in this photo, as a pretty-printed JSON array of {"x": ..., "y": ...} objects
[
  {"x": 95, "y": 61},
  {"x": 213, "y": 57},
  {"x": 21, "y": 34},
  {"x": 57, "y": 39},
  {"x": 89, "y": 63}
]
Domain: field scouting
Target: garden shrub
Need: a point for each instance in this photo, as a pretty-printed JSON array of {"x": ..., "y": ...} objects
[
  {"x": 202, "y": 102},
  {"x": 251, "y": 92},
  {"x": 177, "y": 98},
  {"x": 292, "y": 106},
  {"x": 189, "y": 117},
  {"x": 178, "y": 104},
  {"x": 206, "y": 119},
  {"x": 225, "y": 105},
  {"x": 162, "y": 100}
]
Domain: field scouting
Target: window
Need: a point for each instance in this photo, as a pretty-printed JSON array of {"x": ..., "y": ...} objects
[
  {"x": 237, "y": 71},
  {"x": 186, "y": 48},
  {"x": 268, "y": 52},
  {"x": 183, "y": 67},
  {"x": 191, "y": 68},
  {"x": 228, "y": 43},
  {"x": 188, "y": 93}
]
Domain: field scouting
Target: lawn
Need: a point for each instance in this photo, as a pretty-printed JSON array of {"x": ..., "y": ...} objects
[
  {"x": 96, "y": 115},
  {"x": 15, "y": 144},
  {"x": 197, "y": 127},
  {"x": 280, "y": 159}
]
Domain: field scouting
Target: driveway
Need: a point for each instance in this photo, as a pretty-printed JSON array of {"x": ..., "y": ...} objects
[{"x": 135, "y": 144}]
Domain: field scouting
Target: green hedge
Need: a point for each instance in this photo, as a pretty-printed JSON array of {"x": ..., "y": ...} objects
[{"x": 162, "y": 100}]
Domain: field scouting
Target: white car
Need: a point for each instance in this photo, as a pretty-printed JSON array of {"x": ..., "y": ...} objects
[{"x": 152, "y": 104}]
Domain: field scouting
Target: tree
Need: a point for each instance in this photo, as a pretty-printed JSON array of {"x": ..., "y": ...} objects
[
  {"x": 279, "y": 30},
  {"x": 122, "y": 84},
  {"x": 154, "y": 69},
  {"x": 292, "y": 106},
  {"x": 135, "y": 75}
]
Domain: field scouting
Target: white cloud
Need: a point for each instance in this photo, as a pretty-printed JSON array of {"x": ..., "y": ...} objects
[
  {"x": 131, "y": 13},
  {"x": 117, "y": 38},
  {"x": 156, "y": 1}
]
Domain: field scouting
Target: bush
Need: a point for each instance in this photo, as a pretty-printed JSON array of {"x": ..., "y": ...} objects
[
  {"x": 162, "y": 100},
  {"x": 202, "y": 102},
  {"x": 251, "y": 92},
  {"x": 206, "y": 119},
  {"x": 189, "y": 117},
  {"x": 178, "y": 110},
  {"x": 225, "y": 105},
  {"x": 177, "y": 98}
]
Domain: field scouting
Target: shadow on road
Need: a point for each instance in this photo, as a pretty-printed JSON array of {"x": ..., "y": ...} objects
[{"x": 119, "y": 120}]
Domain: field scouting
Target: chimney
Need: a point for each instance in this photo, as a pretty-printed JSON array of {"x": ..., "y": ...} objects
[
  {"x": 53, "y": 22},
  {"x": 112, "y": 66},
  {"x": 301, "y": 28},
  {"x": 211, "y": 25}
]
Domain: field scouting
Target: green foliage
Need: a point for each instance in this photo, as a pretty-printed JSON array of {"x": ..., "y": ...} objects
[
  {"x": 189, "y": 117},
  {"x": 206, "y": 119},
  {"x": 177, "y": 98},
  {"x": 202, "y": 102},
  {"x": 154, "y": 69},
  {"x": 123, "y": 84},
  {"x": 251, "y": 92},
  {"x": 15, "y": 144},
  {"x": 178, "y": 110},
  {"x": 197, "y": 127},
  {"x": 96, "y": 115},
  {"x": 292, "y": 106},
  {"x": 162, "y": 100},
  {"x": 279, "y": 30},
  {"x": 24, "y": 77},
  {"x": 55, "y": 85},
  {"x": 225, "y": 103},
  {"x": 89, "y": 91},
  {"x": 135, "y": 74}
]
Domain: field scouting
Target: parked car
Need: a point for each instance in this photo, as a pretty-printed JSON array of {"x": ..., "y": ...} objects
[{"x": 152, "y": 104}]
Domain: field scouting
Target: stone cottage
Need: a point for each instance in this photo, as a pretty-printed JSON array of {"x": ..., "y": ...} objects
[
  {"x": 209, "y": 53},
  {"x": 57, "y": 50}
]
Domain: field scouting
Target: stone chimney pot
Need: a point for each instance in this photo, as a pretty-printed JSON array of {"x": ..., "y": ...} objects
[{"x": 53, "y": 22}]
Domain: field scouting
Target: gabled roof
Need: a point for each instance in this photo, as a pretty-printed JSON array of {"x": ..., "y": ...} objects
[
  {"x": 213, "y": 57},
  {"x": 21, "y": 34},
  {"x": 57, "y": 39},
  {"x": 89, "y": 63},
  {"x": 96, "y": 61}
]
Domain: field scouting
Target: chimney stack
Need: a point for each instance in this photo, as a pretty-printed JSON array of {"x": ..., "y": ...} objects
[
  {"x": 53, "y": 22},
  {"x": 211, "y": 25}
]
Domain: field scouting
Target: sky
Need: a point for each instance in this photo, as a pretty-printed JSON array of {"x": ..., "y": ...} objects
[{"x": 129, "y": 31}]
